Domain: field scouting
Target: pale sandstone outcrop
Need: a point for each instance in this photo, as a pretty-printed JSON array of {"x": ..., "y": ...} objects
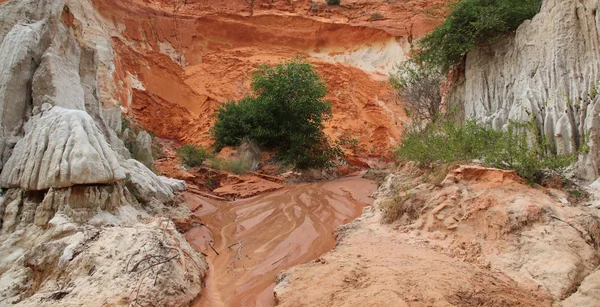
[
  {"x": 56, "y": 80},
  {"x": 588, "y": 293},
  {"x": 145, "y": 185},
  {"x": 62, "y": 148},
  {"x": 78, "y": 204},
  {"x": 549, "y": 70},
  {"x": 75, "y": 214},
  {"x": 142, "y": 147},
  {"x": 175, "y": 184},
  {"x": 19, "y": 52},
  {"x": 72, "y": 265}
]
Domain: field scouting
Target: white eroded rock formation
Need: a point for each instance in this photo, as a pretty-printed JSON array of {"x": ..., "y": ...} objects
[
  {"x": 61, "y": 148},
  {"x": 549, "y": 71},
  {"x": 80, "y": 223}
]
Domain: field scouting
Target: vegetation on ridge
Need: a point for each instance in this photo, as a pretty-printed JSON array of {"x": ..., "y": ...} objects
[
  {"x": 518, "y": 146},
  {"x": 419, "y": 85},
  {"x": 472, "y": 23},
  {"x": 447, "y": 142}
]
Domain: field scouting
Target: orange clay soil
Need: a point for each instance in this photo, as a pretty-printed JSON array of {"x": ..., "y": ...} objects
[
  {"x": 179, "y": 62},
  {"x": 259, "y": 237}
]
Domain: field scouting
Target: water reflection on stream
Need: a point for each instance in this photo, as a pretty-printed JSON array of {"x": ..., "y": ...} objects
[{"x": 259, "y": 237}]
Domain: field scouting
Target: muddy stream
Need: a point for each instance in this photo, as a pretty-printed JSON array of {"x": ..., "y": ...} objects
[{"x": 257, "y": 238}]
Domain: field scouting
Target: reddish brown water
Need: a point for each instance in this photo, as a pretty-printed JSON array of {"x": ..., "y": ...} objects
[{"x": 259, "y": 237}]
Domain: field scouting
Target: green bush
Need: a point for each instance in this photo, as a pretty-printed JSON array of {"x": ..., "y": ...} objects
[
  {"x": 192, "y": 155},
  {"x": 333, "y": 2},
  {"x": 286, "y": 113},
  {"x": 447, "y": 142},
  {"x": 470, "y": 23}
]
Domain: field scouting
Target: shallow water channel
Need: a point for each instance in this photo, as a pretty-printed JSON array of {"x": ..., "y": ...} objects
[{"x": 257, "y": 238}]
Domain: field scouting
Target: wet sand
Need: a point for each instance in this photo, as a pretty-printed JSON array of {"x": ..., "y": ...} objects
[{"x": 259, "y": 237}]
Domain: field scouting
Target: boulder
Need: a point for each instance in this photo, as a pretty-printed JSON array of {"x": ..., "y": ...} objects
[
  {"x": 145, "y": 185},
  {"x": 175, "y": 184}
]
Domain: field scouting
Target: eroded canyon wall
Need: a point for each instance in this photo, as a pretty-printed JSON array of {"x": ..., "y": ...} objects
[
  {"x": 549, "y": 71},
  {"x": 75, "y": 210},
  {"x": 183, "y": 60}
]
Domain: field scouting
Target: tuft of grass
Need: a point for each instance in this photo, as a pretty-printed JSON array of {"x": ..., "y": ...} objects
[
  {"x": 404, "y": 206},
  {"x": 210, "y": 184},
  {"x": 236, "y": 166}
]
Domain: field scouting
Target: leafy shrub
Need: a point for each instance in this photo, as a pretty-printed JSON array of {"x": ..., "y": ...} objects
[
  {"x": 333, "y": 2},
  {"x": 419, "y": 85},
  {"x": 211, "y": 184},
  {"x": 192, "y": 155},
  {"x": 285, "y": 113},
  {"x": 470, "y": 23},
  {"x": 448, "y": 142}
]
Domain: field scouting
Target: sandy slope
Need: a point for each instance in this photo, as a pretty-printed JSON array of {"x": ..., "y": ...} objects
[
  {"x": 182, "y": 61},
  {"x": 481, "y": 238}
]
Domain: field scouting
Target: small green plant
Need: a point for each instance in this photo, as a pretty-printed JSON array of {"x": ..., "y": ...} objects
[
  {"x": 192, "y": 155},
  {"x": 447, "y": 142},
  {"x": 593, "y": 92},
  {"x": 210, "y": 184},
  {"x": 125, "y": 123},
  {"x": 333, "y": 2},
  {"x": 350, "y": 143},
  {"x": 404, "y": 205}
]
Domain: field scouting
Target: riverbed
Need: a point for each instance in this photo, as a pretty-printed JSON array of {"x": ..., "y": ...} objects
[{"x": 260, "y": 237}]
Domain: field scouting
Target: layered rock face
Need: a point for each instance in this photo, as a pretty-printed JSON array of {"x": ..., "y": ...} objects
[
  {"x": 78, "y": 218},
  {"x": 549, "y": 72},
  {"x": 184, "y": 59}
]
